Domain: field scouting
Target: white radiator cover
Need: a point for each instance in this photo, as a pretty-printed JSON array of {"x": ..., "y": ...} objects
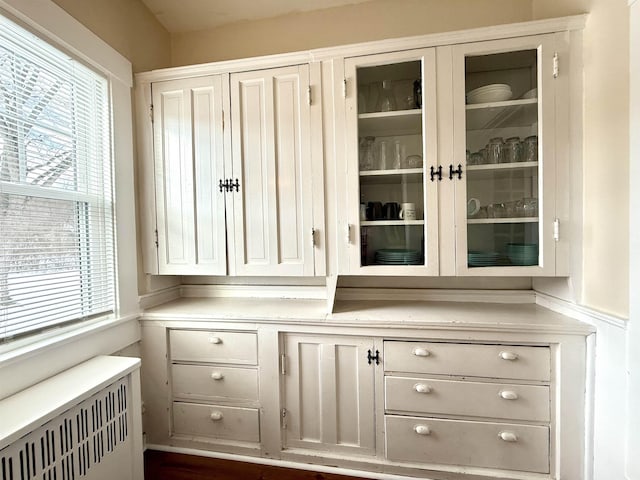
[{"x": 84, "y": 423}]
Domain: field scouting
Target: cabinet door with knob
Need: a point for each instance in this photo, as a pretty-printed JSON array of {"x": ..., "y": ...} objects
[
  {"x": 189, "y": 164},
  {"x": 271, "y": 221}
]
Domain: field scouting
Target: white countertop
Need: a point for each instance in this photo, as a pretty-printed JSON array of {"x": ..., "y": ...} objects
[{"x": 379, "y": 314}]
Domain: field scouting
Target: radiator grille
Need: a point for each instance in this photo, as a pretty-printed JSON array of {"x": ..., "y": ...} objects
[{"x": 72, "y": 445}]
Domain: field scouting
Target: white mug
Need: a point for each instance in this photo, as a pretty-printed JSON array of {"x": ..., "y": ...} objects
[{"x": 407, "y": 211}]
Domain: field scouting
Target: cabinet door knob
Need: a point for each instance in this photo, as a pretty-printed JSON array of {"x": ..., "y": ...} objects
[
  {"x": 422, "y": 388},
  {"x": 217, "y": 376},
  {"x": 509, "y": 395},
  {"x": 215, "y": 340},
  {"x": 216, "y": 416},
  {"x": 422, "y": 430},
  {"x": 421, "y": 352},
  {"x": 508, "y": 356},
  {"x": 508, "y": 436}
]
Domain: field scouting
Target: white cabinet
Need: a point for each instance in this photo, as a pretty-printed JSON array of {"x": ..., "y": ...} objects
[
  {"x": 328, "y": 393},
  {"x": 469, "y": 151},
  {"x": 233, "y": 191}
]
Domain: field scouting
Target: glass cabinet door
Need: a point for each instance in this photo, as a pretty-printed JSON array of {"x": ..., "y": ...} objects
[
  {"x": 390, "y": 154},
  {"x": 504, "y": 141}
]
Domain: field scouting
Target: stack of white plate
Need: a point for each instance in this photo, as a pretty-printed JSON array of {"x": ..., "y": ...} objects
[
  {"x": 522, "y": 253},
  {"x": 496, "y": 92},
  {"x": 398, "y": 256}
]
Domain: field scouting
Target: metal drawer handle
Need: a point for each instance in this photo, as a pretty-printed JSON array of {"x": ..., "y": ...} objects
[
  {"x": 422, "y": 388},
  {"x": 217, "y": 376},
  {"x": 216, "y": 416},
  {"x": 508, "y": 436},
  {"x": 509, "y": 395},
  {"x": 422, "y": 430},
  {"x": 215, "y": 340},
  {"x": 508, "y": 356},
  {"x": 421, "y": 352}
]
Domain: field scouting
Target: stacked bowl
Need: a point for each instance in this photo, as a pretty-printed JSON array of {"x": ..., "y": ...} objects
[
  {"x": 522, "y": 253},
  {"x": 398, "y": 256},
  {"x": 496, "y": 92}
]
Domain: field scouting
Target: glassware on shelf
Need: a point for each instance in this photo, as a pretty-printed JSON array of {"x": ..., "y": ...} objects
[
  {"x": 386, "y": 101},
  {"x": 530, "y": 149},
  {"x": 384, "y": 155},
  {"x": 417, "y": 93},
  {"x": 512, "y": 150},
  {"x": 495, "y": 149},
  {"x": 398, "y": 154},
  {"x": 367, "y": 153}
]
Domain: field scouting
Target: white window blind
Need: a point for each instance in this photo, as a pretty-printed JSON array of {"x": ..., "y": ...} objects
[{"x": 56, "y": 220}]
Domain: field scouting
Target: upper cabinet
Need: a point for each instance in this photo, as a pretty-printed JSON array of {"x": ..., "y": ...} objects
[{"x": 234, "y": 196}]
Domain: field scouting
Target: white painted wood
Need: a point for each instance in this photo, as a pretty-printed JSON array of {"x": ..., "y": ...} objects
[
  {"x": 272, "y": 162},
  {"x": 494, "y": 361},
  {"x": 216, "y": 421},
  {"x": 545, "y": 46},
  {"x": 316, "y": 132},
  {"x": 189, "y": 166},
  {"x": 213, "y": 346},
  {"x": 214, "y": 383},
  {"x": 424, "y": 395},
  {"x": 482, "y": 444},
  {"x": 328, "y": 394}
]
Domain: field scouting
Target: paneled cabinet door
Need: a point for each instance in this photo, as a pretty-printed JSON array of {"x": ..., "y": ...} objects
[
  {"x": 271, "y": 220},
  {"x": 189, "y": 163},
  {"x": 391, "y": 163},
  {"x": 328, "y": 394},
  {"x": 504, "y": 98}
]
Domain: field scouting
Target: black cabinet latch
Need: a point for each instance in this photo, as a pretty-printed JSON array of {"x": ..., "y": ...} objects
[
  {"x": 436, "y": 172},
  {"x": 231, "y": 185},
  {"x": 453, "y": 172},
  {"x": 375, "y": 357},
  {"x": 224, "y": 185}
]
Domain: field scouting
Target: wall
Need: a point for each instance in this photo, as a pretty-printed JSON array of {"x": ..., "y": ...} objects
[
  {"x": 127, "y": 26},
  {"x": 374, "y": 20}
]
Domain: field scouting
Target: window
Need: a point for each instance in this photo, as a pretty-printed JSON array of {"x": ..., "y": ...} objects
[{"x": 56, "y": 202}]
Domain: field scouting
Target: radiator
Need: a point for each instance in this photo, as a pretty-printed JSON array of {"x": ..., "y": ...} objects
[{"x": 81, "y": 424}]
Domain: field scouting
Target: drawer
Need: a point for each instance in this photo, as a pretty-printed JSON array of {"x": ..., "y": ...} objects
[
  {"x": 448, "y": 397},
  {"x": 214, "y": 347},
  {"x": 213, "y": 421},
  {"x": 496, "y": 361},
  {"x": 203, "y": 382},
  {"x": 478, "y": 444}
]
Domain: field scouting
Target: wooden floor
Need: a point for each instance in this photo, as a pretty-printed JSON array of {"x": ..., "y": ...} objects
[{"x": 174, "y": 466}]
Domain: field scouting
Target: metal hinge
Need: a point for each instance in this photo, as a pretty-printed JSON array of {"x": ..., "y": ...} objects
[
  {"x": 156, "y": 232},
  {"x": 344, "y": 88},
  {"x": 309, "y": 95},
  {"x": 556, "y": 229},
  {"x": 313, "y": 237},
  {"x": 283, "y": 364},
  {"x": 151, "y": 112},
  {"x": 283, "y": 418},
  {"x": 555, "y": 65}
]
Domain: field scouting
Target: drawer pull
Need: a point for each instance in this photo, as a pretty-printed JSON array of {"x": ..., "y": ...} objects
[
  {"x": 422, "y": 430},
  {"x": 422, "y": 388},
  {"x": 509, "y": 395},
  {"x": 215, "y": 340},
  {"x": 216, "y": 416},
  {"x": 421, "y": 352},
  {"x": 508, "y": 356},
  {"x": 508, "y": 436},
  {"x": 217, "y": 376}
]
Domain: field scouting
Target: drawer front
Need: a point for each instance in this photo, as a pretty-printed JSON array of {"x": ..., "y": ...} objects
[
  {"x": 496, "y": 361},
  {"x": 214, "y": 421},
  {"x": 478, "y": 444},
  {"x": 214, "y": 347},
  {"x": 204, "y": 382},
  {"x": 448, "y": 397}
]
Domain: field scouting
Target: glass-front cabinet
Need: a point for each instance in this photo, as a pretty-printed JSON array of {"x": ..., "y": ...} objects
[
  {"x": 391, "y": 152},
  {"x": 504, "y": 164}
]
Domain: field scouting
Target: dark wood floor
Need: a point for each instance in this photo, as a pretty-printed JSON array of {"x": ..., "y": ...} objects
[{"x": 174, "y": 466}]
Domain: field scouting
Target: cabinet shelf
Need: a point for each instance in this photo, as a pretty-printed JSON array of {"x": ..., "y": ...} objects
[
  {"x": 386, "y": 223},
  {"x": 512, "y": 113},
  {"x": 503, "y": 170},
  {"x": 484, "y": 221},
  {"x": 386, "y": 124},
  {"x": 368, "y": 177}
]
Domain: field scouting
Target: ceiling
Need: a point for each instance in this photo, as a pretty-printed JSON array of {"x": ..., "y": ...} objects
[{"x": 190, "y": 15}]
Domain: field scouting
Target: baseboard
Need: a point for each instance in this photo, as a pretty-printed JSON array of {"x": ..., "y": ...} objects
[
  {"x": 302, "y": 292},
  {"x": 579, "y": 312},
  {"x": 437, "y": 295},
  {"x": 153, "y": 299}
]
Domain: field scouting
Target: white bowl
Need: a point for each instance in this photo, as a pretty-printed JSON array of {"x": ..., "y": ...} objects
[
  {"x": 533, "y": 93},
  {"x": 491, "y": 96}
]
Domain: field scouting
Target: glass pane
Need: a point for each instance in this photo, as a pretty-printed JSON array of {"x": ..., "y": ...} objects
[
  {"x": 502, "y": 159},
  {"x": 391, "y": 167}
]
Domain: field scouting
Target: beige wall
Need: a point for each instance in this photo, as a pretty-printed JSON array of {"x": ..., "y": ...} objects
[
  {"x": 375, "y": 20},
  {"x": 127, "y": 26},
  {"x": 606, "y": 149}
]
